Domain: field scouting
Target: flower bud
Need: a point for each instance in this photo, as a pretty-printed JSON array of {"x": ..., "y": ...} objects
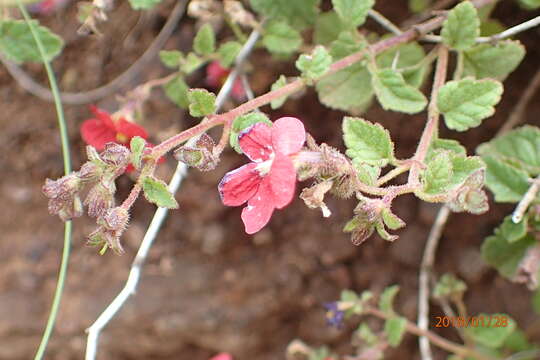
[
  {"x": 115, "y": 219},
  {"x": 104, "y": 238},
  {"x": 198, "y": 153},
  {"x": 63, "y": 196},
  {"x": 100, "y": 198},
  {"x": 115, "y": 155}
]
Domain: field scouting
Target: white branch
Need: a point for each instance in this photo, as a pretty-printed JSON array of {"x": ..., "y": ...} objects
[{"x": 155, "y": 225}]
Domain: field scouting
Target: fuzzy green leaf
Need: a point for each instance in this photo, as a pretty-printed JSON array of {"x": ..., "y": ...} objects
[
  {"x": 386, "y": 299},
  {"x": 279, "y": 37},
  {"x": 491, "y": 333},
  {"x": 201, "y": 102},
  {"x": 171, "y": 58},
  {"x": 394, "y": 329},
  {"x": 465, "y": 103},
  {"x": 156, "y": 192},
  {"x": 327, "y": 28},
  {"x": 395, "y": 94},
  {"x": 417, "y": 6},
  {"x": 436, "y": 178},
  {"x": 507, "y": 183},
  {"x": 18, "y": 44},
  {"x": 462, "y": 26},
  {"x": 409, "y": 62},
  {"x": 278, "y": 102},
  {"x": 511, "y": 231},
  {"x": 191, "y": 63},
  {"x": 299, "y": 14},
  {"x": 530, "y": 4},
  {"x": 177, "y": 90},
  {"x": 315, "y": 65},
  {"x": 228, "y": 52},
  {"x": 503, "y": 255},
  {"x": 448, "y": 285},
  {"x": 136, "y": 146},
  {"x": 367, "y": 174},
  {"x": 367, "y": 142},
  {"x": 493, "y": 61},
  {"x": 353, "y": 13},
  {"x": 243, "y": 122},
  {"x": 445, "y": 144},
  {"x": 143, "y": 4},
  {"x": 392, "y": 221},
  {"x": 205, "y": 40}
]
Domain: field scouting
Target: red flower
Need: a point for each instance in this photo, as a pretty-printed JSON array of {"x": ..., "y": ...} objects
[
  {"x": 216, "y": 76},
  {"x": 222, "y": 356},
  {"x": 268, "y": 183}
]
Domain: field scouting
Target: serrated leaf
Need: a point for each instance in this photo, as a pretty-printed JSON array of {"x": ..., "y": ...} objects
[
  {"x": 314, "y": 65},
  {"x": 493, "y": 60},
  {"x": 507, "y": 183},
  {"x": 448, "y": 285},
  {"x": 353, "y": 13},
  {"x": 465, "y": 103},
  {"x": 394, "y": 329},
  {"x": 367, "y": 174},
  {"x": 281, "y": 38},
  {"x": 327, "y": 28},
  {"x": 156, "y": 192},
  {"x": 17, "y": 42},
  {"x": 409, "y": 62},
  {"x": 367, "y": 142},
  {"x": 365, "y": 333},
  {"x": 383, "y": 233},
  {"x": 227, "y": 53},
  {"x": 177, "y": 90},
  {"x": 191, "y": 63},
  {"x": 445, "y": 144},
  {"x": 143, "y": 4},
  {"x": 136, "y": 146},
  {"x": 461, "y": 27},
  {"x": 201, "y": 102},
  {"x": 436, "y": 178},
  {"x": 491, "y": 333},
  {"x": 243, "y": 122},
  {"x": 518, "y": 148},
  {"x": 386, "y": 299},
  {"x": 463, "y": 167},
  {"x": 392, "y": 221},
  {"x": 511, "y": 231},
  {"x": 171, "y": 58},
  {"x": 278, "y": 102},
  {"x": 299, "y": 14},
  {"x": 395, "y": 94},
  {"x": 530, "y": 4},
  {"x": 503, "y": 255},
  {"x": 205, "y": 40}
]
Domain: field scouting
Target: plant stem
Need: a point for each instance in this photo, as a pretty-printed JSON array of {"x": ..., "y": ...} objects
[
  {"x": 393, "y": 173},
  {"x": 67, "y": 169}
]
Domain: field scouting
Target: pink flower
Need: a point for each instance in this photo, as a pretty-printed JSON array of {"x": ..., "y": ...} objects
[
  {"x": 268, "y": 182},
  {"x": 47, "y": 7},
  {"x": 216, "y": 76},
  {"x": 222, "y": 356}
]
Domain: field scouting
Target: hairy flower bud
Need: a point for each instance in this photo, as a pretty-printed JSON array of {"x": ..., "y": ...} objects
[
  {"x": 105, "y": 238},
  {"x": 115, "y": 155},
  {"x": 198, "y": 153},
  {"x": 63, "y": 195},
  {"x": 116, "y": 219},
  {"x": 100, "y": 198}
]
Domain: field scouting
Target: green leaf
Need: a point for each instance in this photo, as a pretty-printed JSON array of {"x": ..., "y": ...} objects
[
  {"x": 136, "y": 146},
  {"x": 171, "y": 58},
  {"x": 177, "y": 91},
  {"x": 491, "y": 333},
  {"x": 243, "y": 122},
  {"x": 503, "y": 255},
  {"x": 417, "y": 6},
  {"x": 278, "y": 102},
  {"x": 449, "y": 286},
  {"x": 387, "y": 298},
  {"x": 518, "y": 148},
  {"x": 507, "y": 183},
  {"x": 281, "y": 38},
  {"x": 201, "y": 102},
  {"x": 493, "y": 61},
  {"x": 517, "y": 341},
  {"x": 367, "y": 174},
  {"x": 530, "y": 4},
  {"x": 409, "y": 62},
  {"x": 191, "y": 63},
  {"x": 445, "y": 144},
  {"x": 353, "y": 12},
  {"x": 315, "y": 65},
  {"x": 327, "y": 28},
  {"x": 143, "y": 4},
  {"x": 18, "y": 44},
  {"x": 205, "y": 40},
  {"x": 299, "y": 14},
  {"x": 392, "y": 221},
  {"x": 536, "y": 301},
  {"x": 491, "y": 27},
  {"x": 395, "y": 94},
  {"x": 465, "y": 103},
  {"x": 365, "y": 333},
  {"x": 395, "y": 329},
  {"x": 156, "y": 192},
  {"x": 463, "y": 167},
  {"x": 228, "y": 52},
  {"x": 462, "y": 26},
  {"x": 436, "y": 178},
  {"x": 367, "y": 142},
  {"x": 511, "y": 231}
]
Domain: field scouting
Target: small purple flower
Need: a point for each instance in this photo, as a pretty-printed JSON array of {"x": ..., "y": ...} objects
[{"x": 334, "y": 316}]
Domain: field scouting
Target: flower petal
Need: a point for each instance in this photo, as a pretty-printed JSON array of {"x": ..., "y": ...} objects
[
  {"x": 239, "y": 185},
  {"x": 288, "y": 135},
  {"x": 256, "y": 142},
  {"x": 259, "y": 209},
  {"x": 94, "y": 132},
  {"x": 282, "y": 179},
  {"x": 130, "y": 130},
  {"x": 103, "y": 116},
  {"x": 216, "y": 74}
]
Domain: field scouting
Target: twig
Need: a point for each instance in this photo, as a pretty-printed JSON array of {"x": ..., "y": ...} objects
[
  {"x": 77, "y": 98},
  {"x": 384, "y": 22},
  {"x": 154, "y": 227},
  {"x": 526, "y": 200}
]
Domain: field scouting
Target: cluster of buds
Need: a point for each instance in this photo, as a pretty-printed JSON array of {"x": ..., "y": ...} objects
[
  {"x": 101, "y": 172},
  {"x": 198, "y": 153},
  {"x": 111, "y": 226}
]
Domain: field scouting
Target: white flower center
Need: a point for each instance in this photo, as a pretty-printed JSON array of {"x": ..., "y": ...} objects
[{"x": 264, "y": 167}]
